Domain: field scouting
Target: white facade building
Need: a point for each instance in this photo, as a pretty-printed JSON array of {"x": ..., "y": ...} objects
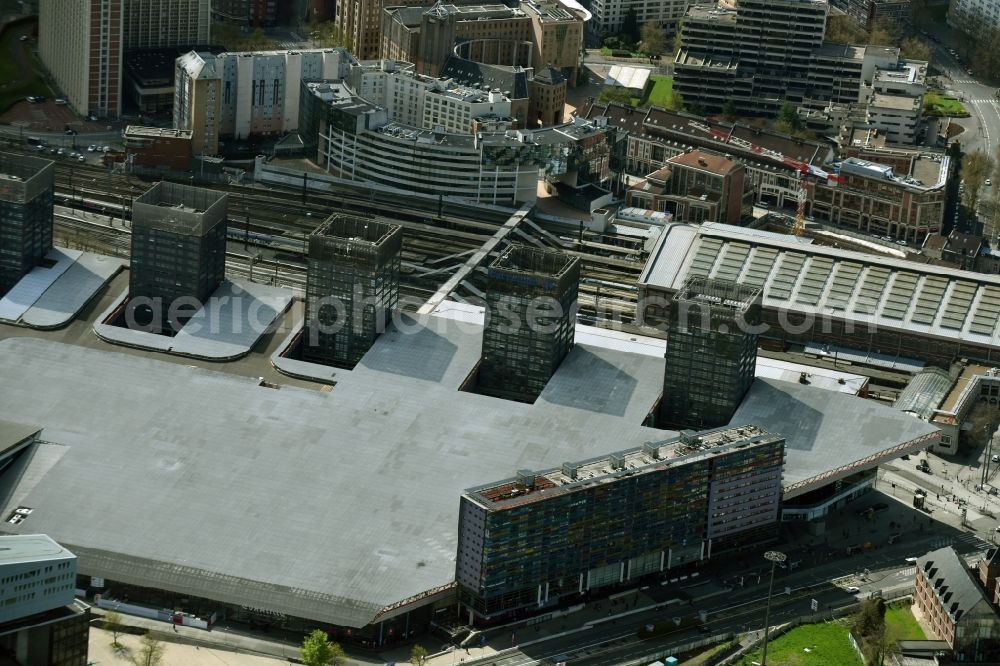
[
  {"x": 36, "y": 574},
  {"x": 238, "y": 95},
  {"x": 609, "y": 15}
]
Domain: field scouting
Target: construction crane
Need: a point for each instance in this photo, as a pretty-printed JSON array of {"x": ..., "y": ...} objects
[{"x": 799, "y": 229}]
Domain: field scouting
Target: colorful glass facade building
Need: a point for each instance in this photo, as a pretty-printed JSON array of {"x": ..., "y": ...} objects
[{"x": 549, "y": 538}]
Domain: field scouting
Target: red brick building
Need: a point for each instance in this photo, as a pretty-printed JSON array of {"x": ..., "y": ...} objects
[
  {"x": 158, "y": 148},
  {"x": 695, "y": 186}
]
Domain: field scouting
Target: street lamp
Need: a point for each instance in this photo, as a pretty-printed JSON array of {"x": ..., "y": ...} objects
[{"x": 773, "y": 556}]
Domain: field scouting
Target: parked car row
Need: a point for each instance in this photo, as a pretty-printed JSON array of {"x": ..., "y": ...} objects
[{"x": 62, "y": 152}]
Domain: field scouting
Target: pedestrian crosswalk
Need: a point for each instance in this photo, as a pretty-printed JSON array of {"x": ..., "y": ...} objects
[
  {"x": 987, "y": 100},
  {"x": 965, "y": 81},
  {"x": 966, "y": 539}
]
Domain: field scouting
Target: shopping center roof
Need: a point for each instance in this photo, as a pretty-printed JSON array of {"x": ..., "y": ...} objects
[{"x": 336, "y": 506}]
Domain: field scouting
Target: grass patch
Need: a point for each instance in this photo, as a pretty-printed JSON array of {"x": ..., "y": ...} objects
[
  {"x": 941, "y": 105},
  {"x": 662, "y": 91},
  {"x": 617, "y": 94},
  {"x": 703, "y": 657},
  {"x": 828, "y": 644},
  {"x": 900, "y": 625}
]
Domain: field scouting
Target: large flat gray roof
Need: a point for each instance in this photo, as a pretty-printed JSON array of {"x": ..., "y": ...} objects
[{"x": 332, "y": 506}]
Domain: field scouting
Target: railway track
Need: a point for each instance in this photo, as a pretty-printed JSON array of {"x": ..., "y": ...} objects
[{"x": 274, "y": 225}]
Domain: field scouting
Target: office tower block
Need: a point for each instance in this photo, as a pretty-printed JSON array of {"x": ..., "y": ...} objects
[
  {"x": 530, "y": 321},
  {"x": 178, "y": 252},
  {"x": 711, "y": 352},
  {"x": 25, "y": 215},
  {"x": 153, "y": 24},
  {"x": 562, "y": 534},
  {"x": 352, "y": 285}
]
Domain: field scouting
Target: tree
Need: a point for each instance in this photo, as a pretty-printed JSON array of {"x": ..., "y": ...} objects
[
  {"x": 729, "y": 109},
  {"x": 677, "y": 43},
  {"x": 695, "y": 108},
  {"x": 150, "y": 652},
  {"x": 653, "y": 41},
  {"x": 417, "y": 655},
  {"x": 883, "y": 34},
  {"x": 868, "y": 627},
  {"x": 842, "y": 29},
  {"x": 616, "y": 94},
  {"x": 318, "y": 650},
  {"x": 788, "y": 120},
  {"x": 996, "y": 174},
  {"x": 916, "y": 49},
  {"x": 976, "y": 168},
  {"x": 676, "y": 102},
  {"x": 931, "y": 100},
  {"x": 630, "y": 25},
  {"x": 113, "y": 623}
]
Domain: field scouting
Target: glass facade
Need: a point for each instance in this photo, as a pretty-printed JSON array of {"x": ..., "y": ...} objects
[
  {"x": 178, "y": 252},
  {"x": 527, "y": 544},
  {"x": 26, "y": 185},
  {"x": 531, "y": 299},
  {"x": 352, "y": 285},
  {"x": 711, "y": 353}
]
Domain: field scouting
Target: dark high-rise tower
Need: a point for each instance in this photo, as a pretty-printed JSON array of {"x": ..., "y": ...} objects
[
  {"x": 531, "y": 318},
  {"x": 25, "y": 215},
  {"x": 352, "y": 285},
  {"x": 711, "y": 352},
  {"x": 178, "y": 251}
]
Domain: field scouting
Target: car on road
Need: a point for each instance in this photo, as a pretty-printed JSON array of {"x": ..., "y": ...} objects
[
  {"x": 81, "y": 158},
  {"x": 924, "y": 466},
  {"x": 995, "y": 458},
  {"x": 23, "y": 38},
  {"x": 988, "y": 182},
  {"x": 850, "y": 589},
  {"x": 91, "y": 148},
  {"x": 911, "y": 560}
]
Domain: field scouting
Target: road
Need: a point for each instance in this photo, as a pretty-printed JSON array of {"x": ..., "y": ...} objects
[
  {"x": 824, "y": 572},
  {"x": 983, "y": 129}
]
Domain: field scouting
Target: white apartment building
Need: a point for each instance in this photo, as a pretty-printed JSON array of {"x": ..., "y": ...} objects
[
  {"x": 609, "y": 15},
  {"x": 424, "y": 101},
  {"x": 975, "y": 15},
  {"x": 896, "y": 116},
  {"x": 454, "y": 107},
  {"x": 895, "y": 100},
  {"x": 36, "y": 574},
  {"x": 239, "y": 95}
]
